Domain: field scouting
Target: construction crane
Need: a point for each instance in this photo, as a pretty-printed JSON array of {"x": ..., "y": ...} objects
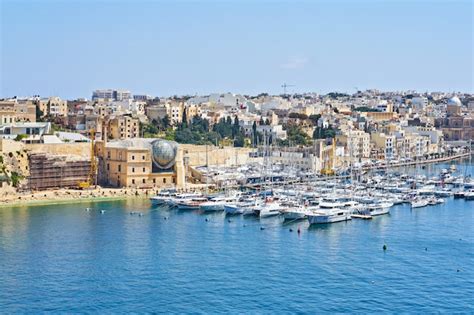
[
  {"x": 284, "y": 86},
  {"x": 93, "y": 166}
]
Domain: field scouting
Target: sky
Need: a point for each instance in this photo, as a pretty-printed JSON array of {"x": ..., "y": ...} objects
[{"x": 163, "y": 48}]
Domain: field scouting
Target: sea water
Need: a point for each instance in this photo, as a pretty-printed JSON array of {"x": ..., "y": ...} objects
[{"x": 62, "y": 258}]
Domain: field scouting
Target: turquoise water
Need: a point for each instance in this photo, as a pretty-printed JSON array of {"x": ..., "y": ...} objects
[{"x": 64, "y": 259}]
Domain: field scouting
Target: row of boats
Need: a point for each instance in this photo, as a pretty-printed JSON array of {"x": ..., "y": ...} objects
[{"x": 332, "y": 201}]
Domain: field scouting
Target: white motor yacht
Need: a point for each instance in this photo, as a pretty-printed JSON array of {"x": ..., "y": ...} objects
[
  {"x": 323, "y": 216},
  {"x": 298, "y": 213},
  {"x": 268, "y": 208},
  {"x": 163, "y": 197},
  {"x": 191, "y": 203},
  {"x": 419, "y": 203},
  {"x": 469, "y": 195},
  {"x": 179, "y": 198},
  {"x": 218, "y": 203}
]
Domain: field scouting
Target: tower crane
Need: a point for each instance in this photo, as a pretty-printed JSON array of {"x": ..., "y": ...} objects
[{"x": 284, "y": 86}]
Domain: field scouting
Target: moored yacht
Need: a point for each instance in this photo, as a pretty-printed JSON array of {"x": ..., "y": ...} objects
[
  {"x": 191, "y": 203},
  {"x": 163, "y": 197},
  {"x": 268, "y": 208},
  {"x": 298, "y": 213},
  {"x": 323, "y": 216},
  {"x": 419, "y": 203},
  {"x": 217, "y": 203}
]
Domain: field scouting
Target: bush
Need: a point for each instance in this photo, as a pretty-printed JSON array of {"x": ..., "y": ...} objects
[{"x": 15, "y": 179}]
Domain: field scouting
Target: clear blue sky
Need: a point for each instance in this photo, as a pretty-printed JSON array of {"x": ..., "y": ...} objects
[{"x": 69, "y": 48}]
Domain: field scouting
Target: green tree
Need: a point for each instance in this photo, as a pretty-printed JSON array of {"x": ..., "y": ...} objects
[
  {"x": 314, "y": 119},
  {"x": 254, "y": 134},
  {"x": 166, "y": 121}
]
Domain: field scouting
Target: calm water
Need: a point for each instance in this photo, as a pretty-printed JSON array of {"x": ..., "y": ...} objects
[{"x": 62, "y": 258}]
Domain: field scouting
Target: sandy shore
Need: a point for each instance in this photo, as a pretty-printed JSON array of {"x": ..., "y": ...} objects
[{"x": 63, "y": 196}]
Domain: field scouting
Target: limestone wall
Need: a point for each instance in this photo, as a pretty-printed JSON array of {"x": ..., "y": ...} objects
[
  {"x": 80, "y": 149},
  {"x": 216, "y": 156}
]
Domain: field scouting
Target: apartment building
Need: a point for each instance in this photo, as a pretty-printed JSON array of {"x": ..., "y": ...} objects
[
  {"x": 386, "y": 144},
  {"x": 111, "y": 95},
  {"x": 356, "y": 143},
  {"x": 53, "y": 106},
  {"x": 17, "y": 110},
  {"x": 123, "y": 127}
]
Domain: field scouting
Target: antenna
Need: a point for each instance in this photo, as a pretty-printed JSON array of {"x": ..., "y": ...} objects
[{"x": 284, "y": 86}]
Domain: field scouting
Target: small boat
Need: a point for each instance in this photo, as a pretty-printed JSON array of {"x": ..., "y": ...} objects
[
  {"x": 298, "y": 213},
  {"x": 469, "y": 195},
  {"x": 163, "y": 197},
  {"x": 379, "y": 208},
  {"x": 435, "y": 201},
  {"x": 217, "y": 203},
  {"x": 324, "y": 216},
  {"x": 179, "y": 198},
  {"x": 419, "y": 203},
  {"x": 459, "y": 194},
  {"x": 268, "y": 209},
  {"x": 244, "y": 206},
  {"x": 191, "y": 204}
]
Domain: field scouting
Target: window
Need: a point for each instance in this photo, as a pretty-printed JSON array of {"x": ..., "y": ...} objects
[
  {"x": 143, "y": 181},
  {"x": 144, "y": 170},
  {"x": 108, "y": 154},
  {"x": 164, "y": 180},
  {"x": 133, "y": 157},
  {"x": 143, "y": 157},
  {"x": 108, "y": 167},
  {"x": 119, "y": 168},
  {"x": 133, "y": 169},
  {"x": 133, "y": 181},
  {"x": 154, "y": 180}
]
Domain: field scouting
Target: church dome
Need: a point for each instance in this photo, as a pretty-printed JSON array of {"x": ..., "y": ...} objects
[{"x": 454, "y": 101}]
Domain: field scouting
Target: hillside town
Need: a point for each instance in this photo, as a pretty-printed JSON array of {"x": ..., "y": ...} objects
[{"x": 124, "y": 143}]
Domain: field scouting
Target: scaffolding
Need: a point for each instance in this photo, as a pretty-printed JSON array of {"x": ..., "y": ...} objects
[{"x": 57, "y": 171}]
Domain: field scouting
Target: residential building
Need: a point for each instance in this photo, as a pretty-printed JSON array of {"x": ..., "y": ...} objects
[{"x": 123, "y": 127}]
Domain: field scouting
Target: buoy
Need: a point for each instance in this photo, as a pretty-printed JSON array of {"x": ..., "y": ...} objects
[
  {"x": 102, "y": 211},
  {"x": 291, "y": 230},
  {"x": 384, "y": 247},
  {"x": 165, "y": 218},
  {"x": 457, "y": 270},
  {"x": 140, "y": 214},
  {"x": 207, "y": 220},
  {"x": 244, "y": 225},
  {"x": 299, "y": 231},
  {"x": 426, "y": 248},
  {"x": 229, "y": 221},
  {"x": 262, "y": 228}
]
